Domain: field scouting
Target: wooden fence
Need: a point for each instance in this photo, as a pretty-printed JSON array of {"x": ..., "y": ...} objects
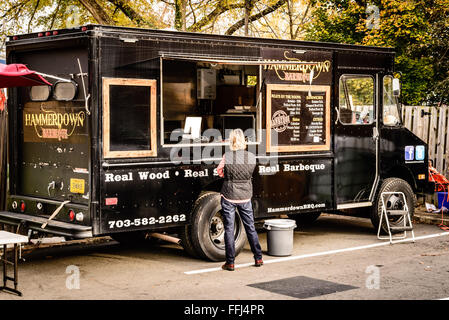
[{"x": 431, "y": 124}]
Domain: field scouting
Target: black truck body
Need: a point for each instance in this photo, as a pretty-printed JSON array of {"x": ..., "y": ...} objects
[{"x": 116, "y": 158}]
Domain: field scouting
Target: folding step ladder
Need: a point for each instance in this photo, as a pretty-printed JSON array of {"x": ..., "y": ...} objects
[{"x": 395, "y": 213}]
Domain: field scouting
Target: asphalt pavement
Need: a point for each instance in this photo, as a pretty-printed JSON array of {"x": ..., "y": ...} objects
[{"x": 338, "y": 257}]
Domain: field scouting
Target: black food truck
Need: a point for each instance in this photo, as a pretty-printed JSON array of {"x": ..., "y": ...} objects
[{"x": 127, "y": 139}]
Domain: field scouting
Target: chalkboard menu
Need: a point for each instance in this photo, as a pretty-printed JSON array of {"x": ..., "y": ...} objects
[{"x": 298, "y": 118}]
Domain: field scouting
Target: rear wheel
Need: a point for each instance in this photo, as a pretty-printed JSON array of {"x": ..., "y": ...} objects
[
  {"x": 393, "y": 202},
  {"x": 204, "y": 238},
  {"x": 184, "y": 234}
]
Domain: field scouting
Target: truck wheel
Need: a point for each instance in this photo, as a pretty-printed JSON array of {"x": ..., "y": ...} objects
[
  {"x": 184, "y": 234},
  {"x": 393, "y": 202},
  {"x": 304, "y": 219},
  {"x": 207, "y": 229}
]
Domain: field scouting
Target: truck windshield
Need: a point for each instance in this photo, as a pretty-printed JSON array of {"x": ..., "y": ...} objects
[{"x": 391, "y": 115}]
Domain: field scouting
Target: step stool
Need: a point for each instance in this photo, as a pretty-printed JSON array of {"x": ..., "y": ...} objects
[{"x": 395, "y": 213}]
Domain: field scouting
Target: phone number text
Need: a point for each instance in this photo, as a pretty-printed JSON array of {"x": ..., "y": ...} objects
[{"x": 118, "y": 224}]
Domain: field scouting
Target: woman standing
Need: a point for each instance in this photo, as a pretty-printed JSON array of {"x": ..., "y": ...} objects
[{"x": 237, "y": 168}]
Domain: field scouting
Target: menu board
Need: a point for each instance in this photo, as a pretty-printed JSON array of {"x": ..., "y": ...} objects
[{"x": 298, "y": 118}]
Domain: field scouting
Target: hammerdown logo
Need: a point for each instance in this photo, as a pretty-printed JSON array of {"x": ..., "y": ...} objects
[{"x": 280, "y": 121}]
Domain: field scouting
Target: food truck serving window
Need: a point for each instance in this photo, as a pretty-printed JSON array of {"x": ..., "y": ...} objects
[
  {"x": 204, "y": 99},
  {"x": 129, "y": 118}
]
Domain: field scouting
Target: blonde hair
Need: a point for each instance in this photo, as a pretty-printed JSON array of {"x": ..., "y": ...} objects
[{"x": 237, "y": 140}]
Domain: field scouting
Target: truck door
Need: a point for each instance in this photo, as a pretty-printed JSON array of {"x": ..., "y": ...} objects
[
  {"x": 53, "y": 135},
  {"x": 355, "y": 138}
]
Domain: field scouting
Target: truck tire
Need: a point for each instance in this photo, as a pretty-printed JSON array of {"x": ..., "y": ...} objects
[
  {"x": 205, "y": 235},
  {"x": 186, "y": 242},
  {"x": 305, "y": 219},
  {"x": 393, "y": 202},
  {"x": 185, "y": 232}
]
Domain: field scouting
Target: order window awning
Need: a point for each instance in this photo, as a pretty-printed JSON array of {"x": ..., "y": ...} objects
[
  {"x": 18, "y": 75},
  {"x": 225, "y": 60}
]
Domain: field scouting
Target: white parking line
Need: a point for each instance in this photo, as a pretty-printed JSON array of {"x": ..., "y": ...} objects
[{"x": 323, "y": 253}]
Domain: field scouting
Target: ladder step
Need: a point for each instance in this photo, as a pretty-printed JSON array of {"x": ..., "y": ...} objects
[
  {"x": 397, "y": 212},
  {"x": 400, "y": 229}
]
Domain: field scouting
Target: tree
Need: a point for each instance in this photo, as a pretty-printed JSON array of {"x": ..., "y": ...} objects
[
  {"x": 186, "y": 15},
  {"x": 260, "y": 14},
  {"x": 438, "y": 50},
  {"x": 417, "y": 29},
  {"x": 242, "y": 17}
]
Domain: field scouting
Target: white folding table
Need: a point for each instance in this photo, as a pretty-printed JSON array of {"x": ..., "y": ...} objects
[{"x": 16, "y": 240}]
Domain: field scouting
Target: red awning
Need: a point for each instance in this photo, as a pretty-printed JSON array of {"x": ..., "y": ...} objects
[{"x": 18, "y": 75}]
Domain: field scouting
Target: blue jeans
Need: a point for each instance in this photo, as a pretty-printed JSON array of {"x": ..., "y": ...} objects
[{"x": 246, "y": 214}]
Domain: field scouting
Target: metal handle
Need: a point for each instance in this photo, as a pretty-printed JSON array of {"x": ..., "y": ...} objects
[
  {"x": 51, "y": 185},
  {"x": 338, "y": 114},
  {"x": 86, "y": 97},
  {"x": 375, "y": 133}
]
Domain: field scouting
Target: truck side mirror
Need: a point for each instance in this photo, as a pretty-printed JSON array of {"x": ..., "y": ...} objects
[{"x": 396, "y": 87}]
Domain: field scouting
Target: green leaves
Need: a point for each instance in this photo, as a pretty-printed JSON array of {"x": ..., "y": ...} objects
[{"x": 417, "y": 29}]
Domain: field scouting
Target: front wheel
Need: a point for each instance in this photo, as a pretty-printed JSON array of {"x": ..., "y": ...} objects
[{"x": 393, "y": 202}]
